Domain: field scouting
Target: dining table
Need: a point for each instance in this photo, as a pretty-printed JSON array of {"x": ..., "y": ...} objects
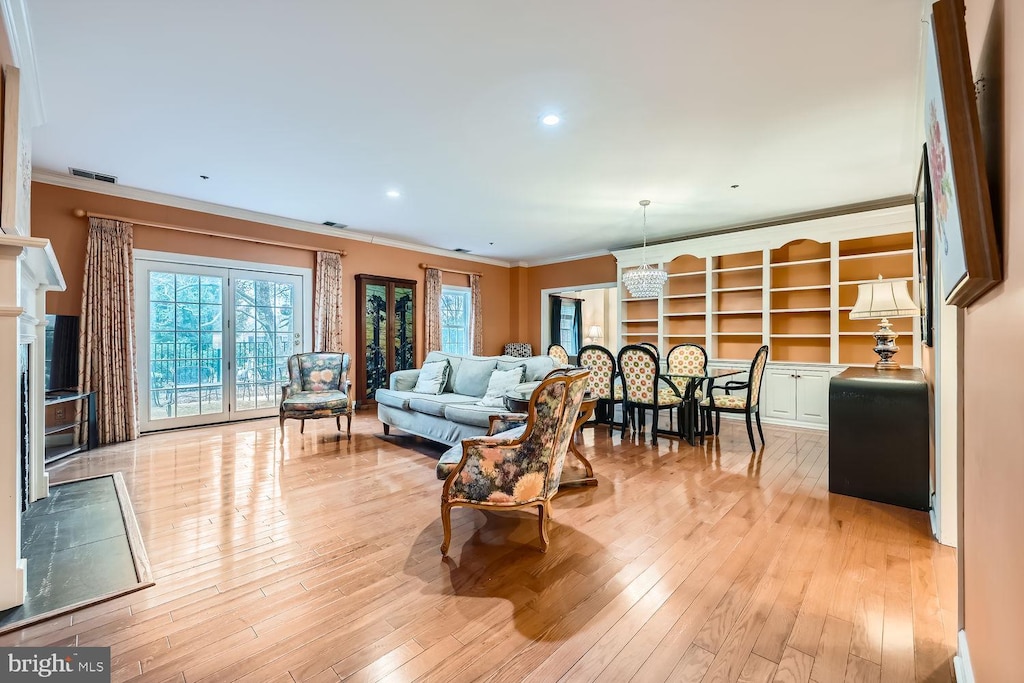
[{"x": 687, "y": 384}]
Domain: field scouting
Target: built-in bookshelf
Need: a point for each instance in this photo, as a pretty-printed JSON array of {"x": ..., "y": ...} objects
[{"x": 732, "y": 293}]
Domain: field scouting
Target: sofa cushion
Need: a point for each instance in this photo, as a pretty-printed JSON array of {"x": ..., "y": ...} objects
[
  {"x": 435, "y": 405},
  {"x": 537, "y": 367},
  {"x": 433, "y": 377},
  {"x": 315, "y": 400},
  {"x": 453, "y": 360},
  {"x": 453, "y": 456},
  {"x": 395, "y": 399},
  {"x": 500, "y": 382},
  {"x": 472, "y": 376},
  {"x": 471, "y": 414}
]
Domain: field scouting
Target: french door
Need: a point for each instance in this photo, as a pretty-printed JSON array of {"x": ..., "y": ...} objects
[{"x": 213, "y": 342}]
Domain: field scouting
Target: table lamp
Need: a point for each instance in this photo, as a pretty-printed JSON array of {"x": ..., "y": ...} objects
[
  {"x": 884, "y": 299},
  {"x": 594, "y": 332}
]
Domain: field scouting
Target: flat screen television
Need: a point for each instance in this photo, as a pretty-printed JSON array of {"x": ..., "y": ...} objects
[{"x": 61, "y": 353}]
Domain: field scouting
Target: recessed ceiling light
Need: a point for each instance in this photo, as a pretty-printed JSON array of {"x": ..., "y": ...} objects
[
  {"x": 551, "y": 119},
  {"x": 394, "y": 194}
]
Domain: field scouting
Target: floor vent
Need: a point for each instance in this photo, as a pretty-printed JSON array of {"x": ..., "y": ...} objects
[{"x": 92, "y": 175}]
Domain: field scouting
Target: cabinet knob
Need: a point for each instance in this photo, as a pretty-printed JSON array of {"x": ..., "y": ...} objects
[
  {"x": 793, "y": 376},
  {"x": 798, "y": 376}
]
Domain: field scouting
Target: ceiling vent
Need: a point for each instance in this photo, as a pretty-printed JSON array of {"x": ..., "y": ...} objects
[
  {"x": 93, "y": 175},
  {"x": 332, "y": 224},
  {"x": 461, "y": 250}
]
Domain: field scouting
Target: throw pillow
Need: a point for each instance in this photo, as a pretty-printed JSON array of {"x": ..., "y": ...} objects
[
  {"x": 471, "y": 378},
  {"x": 500, "y": 382},
  {"x": 432, "y": 377}
]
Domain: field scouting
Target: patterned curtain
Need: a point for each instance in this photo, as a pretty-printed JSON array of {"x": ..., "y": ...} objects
[
  {"x": 106, "y": 347},
  {"x": 432, "y": 309},
  {"x": 477, "y": 305},
  {"x": 327, "y": 303}
]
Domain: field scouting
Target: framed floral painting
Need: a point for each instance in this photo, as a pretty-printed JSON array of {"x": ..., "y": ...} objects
[
  {"x": 966, "y": 252},
  {"x": 923, "y": 242}
]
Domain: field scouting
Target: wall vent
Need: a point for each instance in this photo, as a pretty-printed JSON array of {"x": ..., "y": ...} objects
[
  {"x": 461, "y": 250},
  {"x": 93, "y": 175},
  {"x": 333, "y": 224}
]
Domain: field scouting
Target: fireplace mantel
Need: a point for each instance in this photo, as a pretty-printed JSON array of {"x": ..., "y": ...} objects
[{"x": 28, "y": 269}]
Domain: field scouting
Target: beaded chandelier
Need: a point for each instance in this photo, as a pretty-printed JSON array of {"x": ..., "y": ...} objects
[{"x": 646, "y": 281}]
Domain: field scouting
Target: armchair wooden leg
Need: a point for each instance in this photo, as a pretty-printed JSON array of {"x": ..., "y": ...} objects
[
  {"x": 750, "y": 433},
  {"x": 281, "y": 420},
  {"x": 348, "y": 425},
  {"x": 542, "y": 523},
  {"x": 759, "y": 430},
  {"x": 446, "y": 524}
]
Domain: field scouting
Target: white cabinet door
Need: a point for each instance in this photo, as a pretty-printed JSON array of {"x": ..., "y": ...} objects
[
  {"x": 780, "y": 388},
  {"x": 812, "y": 396}
]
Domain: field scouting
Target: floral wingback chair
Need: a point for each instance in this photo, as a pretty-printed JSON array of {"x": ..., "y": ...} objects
[
  {"x": 641, "y": 379},
  {"x": 746, "y": 405},
  {"x": 512, "y": 472},
  {"x": 558, "y": 352},
  {"x": 318, "y": 387},
  {"x": 602, "y": 384}
]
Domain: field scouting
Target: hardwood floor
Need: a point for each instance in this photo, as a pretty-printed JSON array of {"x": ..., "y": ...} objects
[{"x": 317, "y": 558}]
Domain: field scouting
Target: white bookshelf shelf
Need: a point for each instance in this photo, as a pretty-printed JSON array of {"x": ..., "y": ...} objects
[
  {"x": 801, "y": 288},
  {"x": 864, "y": 282},
  {"x": 694, "y": 274},
  {"x": 750, "y": 288},
  {"x": 639, "y": 320},
  {"x": 700, "y": 314},
  {"x": 803, "y": 262},
  {"x": 757, "y": 312},
  {"x": 737, "y": 269},
  {"x": 682, "y": 296},
  {"x": 736, "y": 334},
  {"x": 877, "y": 254},
  {"x": 800, "y": 336},
  {"x": 821, "y": 309}
]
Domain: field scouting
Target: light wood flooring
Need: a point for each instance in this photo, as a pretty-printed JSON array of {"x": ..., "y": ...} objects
[{"x": 317, "y": 559}]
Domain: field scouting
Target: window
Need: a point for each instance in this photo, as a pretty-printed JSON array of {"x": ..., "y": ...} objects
[
  {"x": 567, "y": 327},
  {"x": 456, "y": 315}
]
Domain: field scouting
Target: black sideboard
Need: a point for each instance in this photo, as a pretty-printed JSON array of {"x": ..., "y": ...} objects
[{"x": 878, "y": 444}]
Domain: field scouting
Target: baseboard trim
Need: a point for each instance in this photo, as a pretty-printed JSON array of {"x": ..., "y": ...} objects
[{"x": 962, "y": 661}]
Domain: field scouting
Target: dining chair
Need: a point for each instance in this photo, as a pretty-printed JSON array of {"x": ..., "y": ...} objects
[
  {"x": 558, "y": 352},
  {"x": 602, "y": 384},
  {"x": 652, "y": 347},
  {"x": 641, "y": 376},
  {"x": 689, "y": 359},
  {"x": 745, "y": 405}
]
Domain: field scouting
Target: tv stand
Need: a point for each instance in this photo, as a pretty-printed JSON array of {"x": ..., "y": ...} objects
[{"x": 73, "y": 427}]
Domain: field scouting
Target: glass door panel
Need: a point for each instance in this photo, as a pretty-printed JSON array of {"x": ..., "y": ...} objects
[
  {"x": 405, "y": 352},
  {"x": 376, "y": 337},
  {"x": 267, "y": 332},
  {"x": 181, "y": 378}
]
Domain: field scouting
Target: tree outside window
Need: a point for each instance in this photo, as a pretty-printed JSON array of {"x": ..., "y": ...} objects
[{"x": 456, "y": 314}]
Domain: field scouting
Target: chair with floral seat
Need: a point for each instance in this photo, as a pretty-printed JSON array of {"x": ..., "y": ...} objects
[
  {"x": 641, "y": 377},
  {"x": 318, "y": 387},
  {"x": 602, "y": 385},
  {"x": 745, "y": 405},
  {"x": 558, "y": 352},
  {"x": 508, "y": 473}
]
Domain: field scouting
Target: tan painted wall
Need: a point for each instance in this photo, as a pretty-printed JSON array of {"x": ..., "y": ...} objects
[
  {"x": 569, "y": 274},
  {"x": 52, "y": 217},
  {"x": 993, "y": 480}
]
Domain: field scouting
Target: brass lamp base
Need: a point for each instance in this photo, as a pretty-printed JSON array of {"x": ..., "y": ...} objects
[{"x": 885, "y": 346}]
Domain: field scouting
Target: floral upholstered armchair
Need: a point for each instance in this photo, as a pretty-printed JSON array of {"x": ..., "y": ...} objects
[
  {"x": 518, "y": 471},
  {"x": 318, "y": 387}
]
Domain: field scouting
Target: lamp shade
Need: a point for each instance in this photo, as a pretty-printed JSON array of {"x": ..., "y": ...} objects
[
  {"x": 884, "y": 299},
  {"x": 594, "y": 332}
]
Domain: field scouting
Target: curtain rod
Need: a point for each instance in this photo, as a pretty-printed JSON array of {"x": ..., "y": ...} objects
[
  {"x": 565, "y": 298},
  {"x": 424, "y": 266},
  {"x": 82, "y": 213}
]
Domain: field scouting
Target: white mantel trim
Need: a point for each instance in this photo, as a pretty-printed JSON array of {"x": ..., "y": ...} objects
[{"x": 19, "y": 36}]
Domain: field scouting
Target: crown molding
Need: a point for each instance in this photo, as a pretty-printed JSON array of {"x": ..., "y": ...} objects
[
  {"x": 563, "y": 259},
  {"x": 19, "y": 35},
  {"x": 153, "y": 197}
]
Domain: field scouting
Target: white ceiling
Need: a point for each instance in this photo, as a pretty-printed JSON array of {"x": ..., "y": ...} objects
[{"x": 312, "y": 109}]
